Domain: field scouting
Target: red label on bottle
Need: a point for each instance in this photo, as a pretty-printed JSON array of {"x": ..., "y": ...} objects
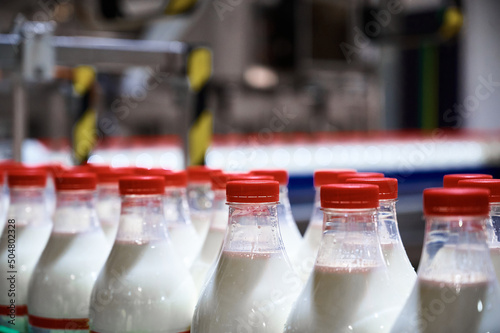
[
  {"x": 18, "y": 310},
  {"x": 59, "y": 324}
]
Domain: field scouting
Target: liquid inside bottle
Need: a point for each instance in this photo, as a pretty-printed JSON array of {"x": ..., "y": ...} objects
[
  {"x": 59, "y": 290},
  {"x": 144, "y": 285},
  {"x": 24, "y": 237},
  {"x": 456, "y": 290},
  {"x": 349, "y": 289},
  {"x": 253, "y": 284}
]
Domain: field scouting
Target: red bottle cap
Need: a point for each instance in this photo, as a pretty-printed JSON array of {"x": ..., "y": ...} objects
[
  {"x": 110, "y": 176},
  {"x": 388, "y": 187},
  {"x": 491, "y": 184},
  {"x": 247, "y": 176},
  {"x": 79, "y": 169},
  {"x": 325, "y": 177},
  {"x": 279, "y": 175},
  {"x": 26, "y": 177},
  {"x": 70, "y": 181},
  {"x": 199, "y": 174},
  {"x": 252, "y": 191},
  {"x": 142, "y": 185},
  {"x": 219, "y": 180},
  {"x": 456, "y": 201},
  {"x": 175, "y": 178},
  {"x": 349, "y": 196},
  {"x": 149, "y": 172},
  {"x": 345, "y": 176},
  {"x": 453, "y": 179}
]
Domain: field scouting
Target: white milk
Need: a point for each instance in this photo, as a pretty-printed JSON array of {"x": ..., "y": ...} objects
[
  {"x": 65, "y": 274},
  {"x": 30, "y": 242},
  {"x": 201, "y": 223},
  {"x": 445, "y": 307},
  {"x": 142, "y": 288},
  {"x": 306, "y": 256},
  {"x": 342, "y": 299},
  {"x": 290, "y": 233},
  {"x": 400, "y": 270},
  {"x": 247, "y": 293},
  {"x": 495, "y": 258},
  {"x": 108, "y": 211},
  {"x": 211, "y": 248},
  {"x": 185, "y": 240}
]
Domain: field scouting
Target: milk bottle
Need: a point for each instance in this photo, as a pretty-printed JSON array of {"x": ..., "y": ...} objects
[
  {"x": 304, "y": 260},
  {"x": 200, "y": 196},
  {"x": 493, "y": 224},
  {"x": 400, "y": 269},
  {"x": 144, "y": 286},
  {"x": 456, "y": 290},
  {"x": 289, "y": 230},
  {"x": 181, "y": 231},
  {"x": 349, "y": 289},
  {"x": 253, "y": 284},
  {"x": 452, "y": 180},
  {"x": 108, "y": 201},
  {"x": 60, "y": 287},
  {"x": 215, "y": 236},
  {"x": 26, "y": 232}
]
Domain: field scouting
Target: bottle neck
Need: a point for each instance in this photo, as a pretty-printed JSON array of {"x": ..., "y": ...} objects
[
  {"x": 350, "y": 240},
  {"x": 219, "y": 202},
  {"x": 388, "y": 223},
  {"x": 284, "y": 200},
  {"x": 75, "y": 212},
  {"x": 141, "y": 219},
  {"x": 200, "y": 196},
  {"x": 455, "y": 250},
  {"x": 175, "y": 205},
  {"x": 253, "y": 228},
  {"x": 108, "y": 204},
  {"x": 27, "y": 206}
]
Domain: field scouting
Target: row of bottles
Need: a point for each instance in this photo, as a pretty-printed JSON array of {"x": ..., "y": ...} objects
[{"x": 134, "y": 250}]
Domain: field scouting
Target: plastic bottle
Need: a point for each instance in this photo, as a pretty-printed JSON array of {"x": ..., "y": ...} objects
[
  {"x": 108, "y": 201},
  {"x": 493, "y": 224},
  {"x": 349, "y": 289},
  {"x": 401, "y": 272},
  {"x": 253, "y": 284},
  {"x": 200, "y": 197},
  {"x": 25, "y": 235},
  {"x": 456, "y": 289},
  {"x": 289, "y": 230},
  {"x": 60, "y": 287},
  {"x": 215, "y": 236},
  {"x": 144, "y": 286},
  {"x": 181, "y": 231},
  {"x": 452, "y": 180},
  {"x": 304, "y": 260}
]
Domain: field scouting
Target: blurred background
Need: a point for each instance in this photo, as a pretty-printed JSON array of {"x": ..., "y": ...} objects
[{"x": 410, "y": 88}]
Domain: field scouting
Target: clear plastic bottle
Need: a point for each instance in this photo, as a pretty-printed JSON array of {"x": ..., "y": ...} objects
[
  {"x": 215, "y": 236},
  {"x": 452, "y": 180},
  {"x": 200, "y": 197},
  {"x": 304, "y": 260},
  {"x": 60, "y": 287},
  {"x": 108, "y": 201},
  {"x": 181, "y": 231},
  {"x": 144, "y": 286},
  {"x": 456, "y": 289},
  {"x": 253, "y": 285},
  {"x": 25, "y": 235},
  {"x": 349, "y": 289},
  {"x": 401, "y": 272},
  {"x": 493, "y": 224},
  {"x": 289, "y": 230}
]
